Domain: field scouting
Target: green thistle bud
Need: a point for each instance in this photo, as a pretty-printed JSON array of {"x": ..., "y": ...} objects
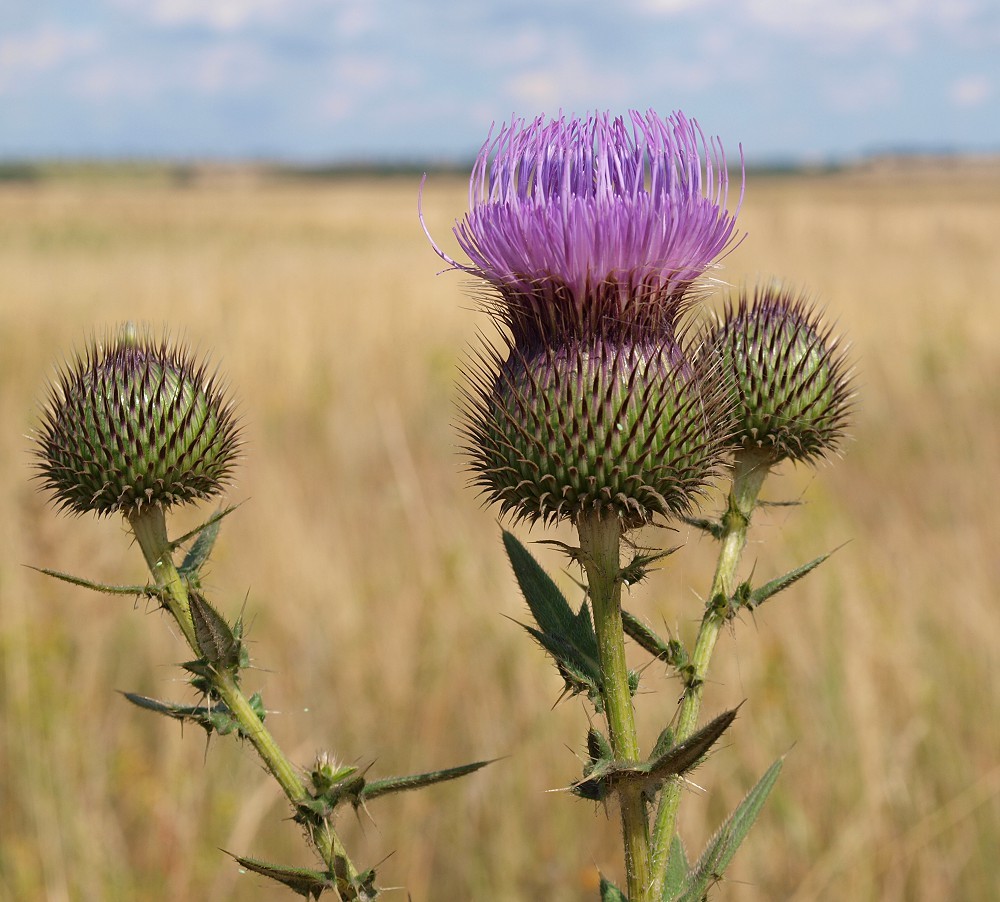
[
  {"x": 615, "y": 427},
  {"x": 787, "y": 375},
  {"x": 134, "y": 422}
]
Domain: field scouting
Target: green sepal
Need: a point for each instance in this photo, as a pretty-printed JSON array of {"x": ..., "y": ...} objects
[
  {"x": 721, "y": 848},
  {"x": 746, "y": 597},
  {"x": 217, "y": 641},
  {"x": 610, "y": 892},
  {"x": 603, "y": 774},
  {"x": 215, "y": 718},
  {"x": 670, "y": 652},
  {"x": 677, "y": 870},
  {"x": 304, "y": 882},
  {"x": 148, "y": 590},
  {"x": 569, "y": 638},
  {"x": 715, "y": 528}
]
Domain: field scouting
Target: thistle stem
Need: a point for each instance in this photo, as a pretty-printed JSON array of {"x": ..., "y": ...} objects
[
  {"x": 600, "y": 545},
  {"x": 149, "y": 527},
  {"x": 750, "y": 469}
]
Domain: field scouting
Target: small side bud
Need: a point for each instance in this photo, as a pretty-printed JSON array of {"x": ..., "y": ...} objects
[
  {"x": 787, "y": 375},
  {"x": 134, "y": 422}
]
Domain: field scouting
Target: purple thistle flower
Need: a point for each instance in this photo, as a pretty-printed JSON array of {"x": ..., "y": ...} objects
[{"x": 594, "y": 226}]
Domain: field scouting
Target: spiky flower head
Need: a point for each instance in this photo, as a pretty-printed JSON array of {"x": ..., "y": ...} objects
[
  {"x": 618, "y": 429},
  {"x": 132, "y": 422},
  {"x": 589, "y": 234},
  {"x": 787, "y": 375},
  {"x": 580, "y": 224}
]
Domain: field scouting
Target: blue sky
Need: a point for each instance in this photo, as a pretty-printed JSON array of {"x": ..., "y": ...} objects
[{"x": 320, "y": 80}]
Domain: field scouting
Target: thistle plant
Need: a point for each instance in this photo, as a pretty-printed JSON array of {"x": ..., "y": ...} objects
[
  {"x": 603, "y": 406},
  {"x": 134, "y": 426}
]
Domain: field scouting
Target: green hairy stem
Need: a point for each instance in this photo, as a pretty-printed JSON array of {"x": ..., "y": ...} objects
[
  {"x": 750, "y": 469},
  {"x": 149, "y": 527},
  {"x": 600, "y": 545}
]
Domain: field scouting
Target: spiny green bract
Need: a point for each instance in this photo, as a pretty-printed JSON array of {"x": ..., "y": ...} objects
[
  {"x": 611, "y": 426},
  {"x": 787, "y": 376},
  {"x": 134, "y": 421}
]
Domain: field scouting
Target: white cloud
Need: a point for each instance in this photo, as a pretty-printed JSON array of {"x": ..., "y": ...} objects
[
  {"x": 46, "y": 48},
  {"x": 222, "y": 15},
  {"x": 667, "y": 7},
  {"x": 236, "y": 15},
  {"x": 971, "y": 90},
  {"x": 899, "y": 25},
  {"x": 863, "y": 90}
]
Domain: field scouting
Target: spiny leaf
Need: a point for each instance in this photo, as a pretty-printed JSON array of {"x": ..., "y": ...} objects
[
  {"x": 148, "y": 590},
  {"x": 569, "y": 638},
  {"x": 211, "y": 522},
  {"x": 722, "y": 847},
  {"x": 664, "y": 742},
  {"x": 598, "y": 746},
  {"x": 636, "y": 570},
  {"x": 610, "y": 892},
  {"x": 216, "y": 640},
  {"x": 212, "y": 718},
  {"x": 581, "y": 675},
  {"x": 303, "y": 881},
  {"x": 208, "y": 532},
  {"x": 548, "y": 605},
  {"x": 671, "y": 652},
  {"x": 763, "y": 593},
  {"x": 376, "y": 788},
  {"x": 603, "y": 774},
  {"x": 677, "y": 870},
  {"x": 682, "y": 757},
  {"x": 713, "y": 527}
]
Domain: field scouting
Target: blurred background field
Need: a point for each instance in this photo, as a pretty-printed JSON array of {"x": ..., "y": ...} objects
[{"x": 380, "y": 603}]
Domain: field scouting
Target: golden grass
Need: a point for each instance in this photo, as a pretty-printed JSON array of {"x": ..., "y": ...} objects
[{"x": 377, "y": 589}]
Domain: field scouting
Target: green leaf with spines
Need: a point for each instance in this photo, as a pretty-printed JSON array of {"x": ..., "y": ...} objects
[
  {"x": 305, "y": 882},
  {"x": 569, "y": 638},
  {"x": 200, "y": 551},
  {"x": 210, "y": 524},
  {"x": 604, "y": 775},
  {"x": 216, "y": 639},
  {"x": 148, "y": 590},
  {"x": 713, "y": 527},
  {"x": 721, "y": 848},
  {"x": 758, "y": 596},
  {"x": 598, "y": 746},
  {"x": 349, "y": 785},
  {"x": 637, "y": 569},
  {"x": 610, "y": 892},
  {"x": 670, "y": 652},
  {"x": 387, "y": 785},
  {"x": 578, "y": 676},
  {"x": 213, "y": 718},
  {"x": 677, "y": 870},
  {"x": 664, "y": 742}
]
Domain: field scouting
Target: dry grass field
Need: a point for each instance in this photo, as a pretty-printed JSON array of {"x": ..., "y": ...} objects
[{"x": 380, "y": 604}]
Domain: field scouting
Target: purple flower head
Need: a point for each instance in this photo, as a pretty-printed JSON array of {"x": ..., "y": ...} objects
[{"x": 594, "y": 226}]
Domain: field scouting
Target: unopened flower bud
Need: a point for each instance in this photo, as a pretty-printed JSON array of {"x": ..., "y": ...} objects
[
  {"x": 132, "y": 422},
  {"x": 787, "y": 376}
]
